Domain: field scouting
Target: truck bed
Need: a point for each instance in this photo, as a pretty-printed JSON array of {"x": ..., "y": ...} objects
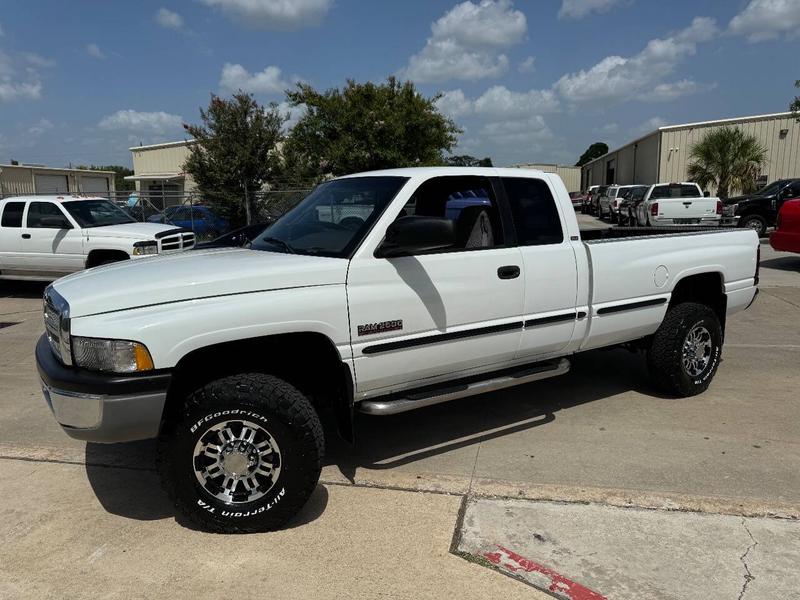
[{"x": 617, "y": 233}]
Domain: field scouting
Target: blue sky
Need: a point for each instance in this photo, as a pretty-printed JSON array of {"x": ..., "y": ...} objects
[{"x": 529, "y": 81}]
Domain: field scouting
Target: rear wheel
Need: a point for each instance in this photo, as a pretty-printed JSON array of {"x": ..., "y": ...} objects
[
  {"x": 685, "y": 351},
  {"x": 245, "y": 455},
  {"x": 755, "y": 222}
]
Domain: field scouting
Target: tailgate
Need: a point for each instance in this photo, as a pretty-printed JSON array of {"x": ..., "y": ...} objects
[{"x": 686, "y": 208}]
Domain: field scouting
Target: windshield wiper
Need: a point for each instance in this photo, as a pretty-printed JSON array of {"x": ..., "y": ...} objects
[{"x": 278, "y": 242}]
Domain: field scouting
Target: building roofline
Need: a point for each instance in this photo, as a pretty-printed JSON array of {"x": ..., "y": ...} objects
[
  {"x": 66, "y": 169},
  {"x": 695, "y": 124},
  {"x": 163, "y": 145}
]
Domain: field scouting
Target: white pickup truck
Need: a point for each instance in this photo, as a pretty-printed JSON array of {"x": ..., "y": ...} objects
[
  {"x": 458, "y": 281},
  {"x": 678, "y": 204},
  {"x": 45, "y": 237}
]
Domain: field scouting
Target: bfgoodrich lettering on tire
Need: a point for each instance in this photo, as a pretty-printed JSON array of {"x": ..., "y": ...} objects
[
  {"x": 245, "y": 456},
  {"x": 685, "y": 351}
]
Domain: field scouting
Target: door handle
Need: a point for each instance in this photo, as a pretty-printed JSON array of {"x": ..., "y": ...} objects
[
  {"x": 26, "y": 236},
  {"x": 508, "y": 272}
]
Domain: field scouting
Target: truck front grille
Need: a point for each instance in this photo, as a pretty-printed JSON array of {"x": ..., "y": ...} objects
[
  {"x": 52, "y": 325},
  {"x": 180, "y": 241}
]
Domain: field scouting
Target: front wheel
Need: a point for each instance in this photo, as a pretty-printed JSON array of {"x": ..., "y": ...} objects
[
  {"x": 245, "y": 455},
  {"x": 686, "y": 349}
]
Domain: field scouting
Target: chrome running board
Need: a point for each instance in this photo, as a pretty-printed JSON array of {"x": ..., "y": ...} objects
[{"x": 399, "y": 403}]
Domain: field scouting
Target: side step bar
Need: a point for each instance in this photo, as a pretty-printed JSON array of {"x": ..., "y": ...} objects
[{"x": 402, "y": 403}]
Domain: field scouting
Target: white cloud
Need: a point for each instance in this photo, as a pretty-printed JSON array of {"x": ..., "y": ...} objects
[
  {"x": 767, "y": 20},
  {"x": 666, "y": 92},
  {"x": 616, "y": 78},
  {"x": 141, "y": 122},
  {"x": 608, "y": 128},
  {"x": 293, "y": 112},
  {"x": 94, "y": 51},
  {"x": 528, "y": 65},
  {"x": 274, "y": 14},
  {"x": 650, "y": 125},
  {"x": 168, "y": 19},
  {"x": 499, "y": 101},
  {"x": 40, "y": 127},
  {"x": 38, "y": 61},
  {"x": 467, "y": 42},
  {"x": 268, "y": 81},
  {"x": 577, "y": 9},
  {"x": 518, "y": 131},
  {"x": 454, "y": 104},
  {"x": 11, "y": 87}
]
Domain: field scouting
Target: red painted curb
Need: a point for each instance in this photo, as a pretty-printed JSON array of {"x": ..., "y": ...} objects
[{"x": 513, "y": 562}]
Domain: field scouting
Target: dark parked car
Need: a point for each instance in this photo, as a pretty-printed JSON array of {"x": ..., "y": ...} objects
[
  {"x": 578, "y": 198},
  {"x": 200, "y": 219},
  {"x": 760, "y": 210},
  {"x": 236, "y": 238},
  {"x": 594, "y": 201},
  {"x": 631, "y": 197}
]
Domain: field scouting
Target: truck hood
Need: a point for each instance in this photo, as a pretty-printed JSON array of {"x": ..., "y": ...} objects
[
  {"x": 134, "y": 231},
  {"x": 191, "y": 276}
]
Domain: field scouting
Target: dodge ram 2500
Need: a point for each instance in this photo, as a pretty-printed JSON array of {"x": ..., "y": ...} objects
[{"x": 381, "y": 292}]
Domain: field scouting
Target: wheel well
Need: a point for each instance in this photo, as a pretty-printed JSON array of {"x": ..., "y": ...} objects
[
  {"x": 309, "y": 361},
  {"x": 97, "y": 257},
  {"x": 703, "y": 288}
]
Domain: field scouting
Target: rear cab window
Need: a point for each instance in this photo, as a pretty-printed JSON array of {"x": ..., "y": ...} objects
[
  {"x": 12, "y": 214},
  {"x": 675, "y": 190},
  {"x": 534, "y": 211}
]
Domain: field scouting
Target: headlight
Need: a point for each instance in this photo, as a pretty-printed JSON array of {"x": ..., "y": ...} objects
[
  {"x": 145, "y": 248},
  {"x": 116, "y": 356}
]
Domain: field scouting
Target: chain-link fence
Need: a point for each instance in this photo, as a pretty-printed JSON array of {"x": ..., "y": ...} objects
[{"x": 192, "y": 211}]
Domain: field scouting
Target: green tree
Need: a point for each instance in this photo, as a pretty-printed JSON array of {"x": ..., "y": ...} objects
[
  {"x": 795, "y": 104},
  {"x": 595, "y": 150},
  {"x": 728, "y": 158},
  {"x": 236, "y": 154},
  {"x": 465, "y": 160},
  {"x": 367, "y": 126}
]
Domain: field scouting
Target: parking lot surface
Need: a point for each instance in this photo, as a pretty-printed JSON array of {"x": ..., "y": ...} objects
[{"x": 94, "y": 520}]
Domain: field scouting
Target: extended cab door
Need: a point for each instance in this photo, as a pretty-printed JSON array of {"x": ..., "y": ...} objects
[
  {"x": 51, "y": 242},
  {"x": 10, "y": 236},
  {"x": 548, "y": 257},
  {"x": 441, "y": 315}
]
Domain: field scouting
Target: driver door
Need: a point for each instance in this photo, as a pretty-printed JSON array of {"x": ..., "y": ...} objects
[
  {"x": 418, "y": 319},
  {"x": 48, "y": 249}
]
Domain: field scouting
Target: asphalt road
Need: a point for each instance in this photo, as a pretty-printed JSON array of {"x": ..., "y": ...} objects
[{"x": 600, "y": 434}]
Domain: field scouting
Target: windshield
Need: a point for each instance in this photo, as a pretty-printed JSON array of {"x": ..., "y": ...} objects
[
  {"x": 96, "y": 213},
  {"x": 771, "y": 189},
  {"x": 333, "y": 219}
]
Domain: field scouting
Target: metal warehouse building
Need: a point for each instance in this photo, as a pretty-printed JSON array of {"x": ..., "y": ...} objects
[
  {"x": 18, "y": 180},
  {"x": 158, "y": 170},
  {"x": 571, "y": 176},
  {"x": 663, "y": 155}
]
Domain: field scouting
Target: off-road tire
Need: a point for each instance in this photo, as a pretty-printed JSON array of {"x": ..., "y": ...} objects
[
  {"x": 287, "y": 416},
  {"x": 665, "y": 358}
]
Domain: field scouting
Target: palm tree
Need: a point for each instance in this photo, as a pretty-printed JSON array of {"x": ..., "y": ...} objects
[{"x": 728, "y": 158}]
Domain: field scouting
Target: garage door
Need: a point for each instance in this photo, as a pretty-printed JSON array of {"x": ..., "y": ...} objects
[
  {"x": 94, "y": 185},
  {"x": 51, "y": 184}
]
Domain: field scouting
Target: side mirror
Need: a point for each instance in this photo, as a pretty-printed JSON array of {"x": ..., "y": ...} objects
[
  {"x": 706, "y": 194},
  {"x": 55, "y": 223},
  {"x": 415, "y": 235}
]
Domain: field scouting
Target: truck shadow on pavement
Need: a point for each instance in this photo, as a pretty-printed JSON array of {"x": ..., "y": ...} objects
[
  {"x": 124, "y": 480},
  {"x": 22, "y": 289},
  {"x": 783, "y": 263},
  {"x": 394, "y": 441}
]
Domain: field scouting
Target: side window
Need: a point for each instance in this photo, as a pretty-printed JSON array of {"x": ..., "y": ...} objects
[
  {"x": 534, "y": 211},
  {"x": 12, "y": 214},
  {"x": 468, "y": 201},
  {"x": 39, "y": 210}
]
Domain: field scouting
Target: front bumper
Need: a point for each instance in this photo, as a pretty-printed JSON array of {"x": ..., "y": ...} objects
[{"x": 99, "y": 407}]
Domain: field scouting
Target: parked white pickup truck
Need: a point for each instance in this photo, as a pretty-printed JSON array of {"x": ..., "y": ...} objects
[
  {"x": 45, "y": 237},
  {"x": 681, "y": 204},
  {"x": 459, "y": 281}
]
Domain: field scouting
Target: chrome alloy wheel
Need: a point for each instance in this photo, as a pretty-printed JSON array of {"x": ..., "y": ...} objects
[
  {"x": 236, "y": 461},
  {"x": 697, "y": 349}
]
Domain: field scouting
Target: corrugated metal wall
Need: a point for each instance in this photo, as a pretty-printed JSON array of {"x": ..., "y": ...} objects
[
  {"x": 633, "y": 163},
  {"x": 20, "y": 180},
  {"x": 168, "y": 159},
  {"x": 571, "y": 176},
  {"x": 783, "y": 151}
]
